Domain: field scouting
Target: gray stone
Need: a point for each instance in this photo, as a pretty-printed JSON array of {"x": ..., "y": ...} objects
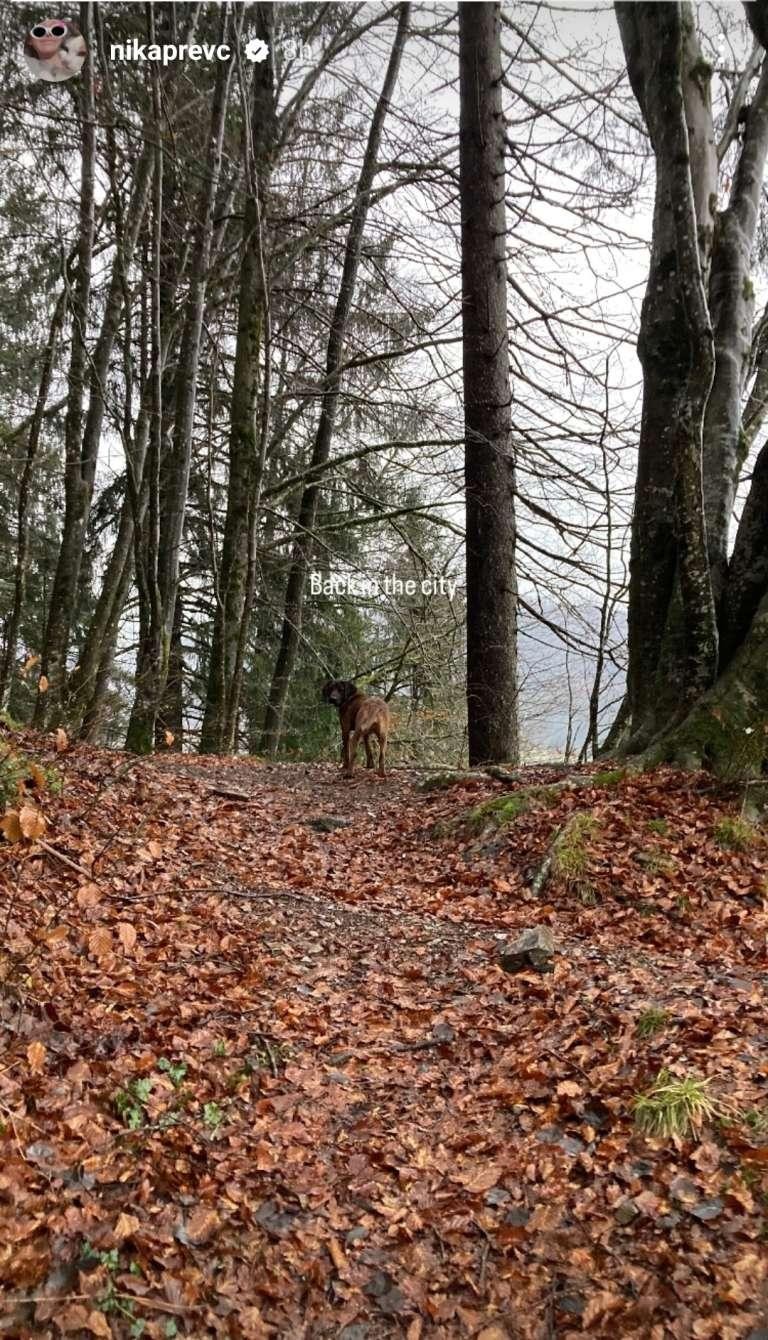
[{"x": 534, "y": 948}]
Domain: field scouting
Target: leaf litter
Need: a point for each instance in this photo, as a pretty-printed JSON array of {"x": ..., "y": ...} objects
[{"x": 263, "y": 1075}]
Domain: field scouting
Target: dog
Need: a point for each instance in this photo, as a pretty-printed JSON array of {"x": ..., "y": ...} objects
[{"x": 360, "y": 718}]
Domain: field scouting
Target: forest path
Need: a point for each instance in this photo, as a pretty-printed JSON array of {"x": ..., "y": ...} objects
[{"x": 285, "y": 1089}]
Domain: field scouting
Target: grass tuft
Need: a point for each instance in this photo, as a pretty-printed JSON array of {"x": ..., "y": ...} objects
[
  {"x": 675, "y": 1106},
  {"x": 651, "y": 1022},
  {"x": 570, "y": 858},
  {"x": 735, "y": 834}
]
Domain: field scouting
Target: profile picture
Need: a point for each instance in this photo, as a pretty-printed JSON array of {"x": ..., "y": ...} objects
[{"x": 54, "y": 50}]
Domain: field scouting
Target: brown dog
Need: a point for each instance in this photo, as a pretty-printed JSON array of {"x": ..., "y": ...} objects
[{"x": 359, "y": 718}]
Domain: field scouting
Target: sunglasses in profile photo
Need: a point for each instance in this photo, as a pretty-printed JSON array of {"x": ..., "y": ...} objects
[{"x": 54, "y": 50}]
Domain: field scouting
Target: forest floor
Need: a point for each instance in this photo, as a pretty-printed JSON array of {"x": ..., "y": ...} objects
[{"x": 264, "y": 1080}]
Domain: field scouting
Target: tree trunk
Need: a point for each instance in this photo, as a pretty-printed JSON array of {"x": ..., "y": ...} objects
[
  {"x": 76, "y": 498},
  {"x": 302, "y": 551},
  {"x": 163, "y": 576},
  {"x": 247, "y": 440},
  {"x": 22, "y": 505},
  {"x": 489, "y": 470},
  {"x": 695, "y": 634}
]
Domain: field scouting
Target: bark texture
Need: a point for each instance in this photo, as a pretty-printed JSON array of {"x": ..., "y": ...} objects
[
  {"x": 692, "y": 608},
  {"x": 247, "y": 436},
  {"x": 489, "y": 465}
]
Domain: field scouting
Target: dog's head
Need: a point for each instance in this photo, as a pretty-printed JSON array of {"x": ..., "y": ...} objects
[{"x": 339, "y": 691}]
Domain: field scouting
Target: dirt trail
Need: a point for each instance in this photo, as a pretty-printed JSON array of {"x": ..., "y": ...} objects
[{"x": 376, "y": 1132}]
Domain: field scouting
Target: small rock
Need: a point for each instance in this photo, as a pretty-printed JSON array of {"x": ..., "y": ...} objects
[
  {"x": 518, "y": 1216},
  {"x": 625, "y": 1213},
  {"x": 569, "y": 1303},
  {"x": 707, "y": 1209},
  {"x": 534, "y": 948},
  {"x": 328, "y": 823},
  {"x": 496, "y": 1196}
]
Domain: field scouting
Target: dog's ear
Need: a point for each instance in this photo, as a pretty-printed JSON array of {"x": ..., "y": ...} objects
[{"x": 348, "y": 688}]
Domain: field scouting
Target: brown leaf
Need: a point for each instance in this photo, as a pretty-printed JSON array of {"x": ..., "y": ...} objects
[
  {"x": 126, "y": 934},
  {"x": 42, "y": 684},
  {"x": 480, "y": 1179},
  {"x": 57, "y": 934},
  {"x": 88, "y": 895},
  {"x": 38, "y": 777},
  {"x": 336, "y": 1254},
  {"x": 11, "y": 826},
  {"x": 126, "y": 1226},
  {"x": 36, "y": 1057},
  {"x": 62, "y": 740},
  {"x": 28, "y": 665},
  {"x": 201, "y": 1225},
  {"x": 598, "y": 1306},
  {"x": 568, "y": 1089},
  {"x": 169, "y": 738},
  {"x": 31, "y": 822},
  {"x": 100, "y": 943}
]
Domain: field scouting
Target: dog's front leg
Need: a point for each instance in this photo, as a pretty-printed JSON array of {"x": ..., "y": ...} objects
[{"x": 350, "y": 749}]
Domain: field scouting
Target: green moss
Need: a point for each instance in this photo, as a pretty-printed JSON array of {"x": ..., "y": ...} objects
[
  {"x": 443, "y": 781},
  {"x": 498, "y": 812},
  {"x": 735, "y": 834},
  {"x": 610, "y": 778},
  {"x": 660, "y": 826},
  {"x": 701, "y": 70},
  {"x": 747, "y": 289},
  {"x": 729, "y": 740}
]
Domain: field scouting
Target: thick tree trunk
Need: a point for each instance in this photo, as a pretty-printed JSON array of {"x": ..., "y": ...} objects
[
  {"x": 489, "y": 465},
  {"x": 297, "y": 576},
  {"x": 696, "y": 637},
  {"x": 247, "y": 439}
]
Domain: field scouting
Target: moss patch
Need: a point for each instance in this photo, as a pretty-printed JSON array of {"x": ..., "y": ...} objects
[{"x": 498, "y": 812}]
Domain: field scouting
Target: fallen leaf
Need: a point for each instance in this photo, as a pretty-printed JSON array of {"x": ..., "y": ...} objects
[
  {"x": 62, "y": 740},
  {"x": 31, "y": 822},
  {"x": 11, "y": 826},
  {"x": 127, "y": 935},
  {"x": 36, "y": 1057},
  {"x": 88, "y": 895},
  {"x": 480, "y": 1179},
  {"x": 125, "y": 1227},
  {"x": 42, "y": 684},
  {"x": 100, "y": 943},
  {"x": 201, "y": 1225}
]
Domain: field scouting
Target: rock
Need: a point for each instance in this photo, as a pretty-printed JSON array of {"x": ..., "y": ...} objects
[
  {"x": 535, "y": 949},
  {"x": 328, "y": 823},
  {"x": 707, "y": 1209},
  {"x": 625, "y": 1213}
]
